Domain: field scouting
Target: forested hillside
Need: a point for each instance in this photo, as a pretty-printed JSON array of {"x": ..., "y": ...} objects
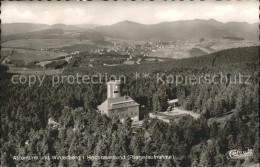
[{"x": 229, "y": 116}]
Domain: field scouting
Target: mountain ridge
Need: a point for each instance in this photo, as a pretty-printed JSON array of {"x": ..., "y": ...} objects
[
  {"x": 168, "y": 30},
  {"x": 183, "y": 29}
]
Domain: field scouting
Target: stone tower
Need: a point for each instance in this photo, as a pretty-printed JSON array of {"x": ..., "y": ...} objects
[{"x": 113, "y": 89}]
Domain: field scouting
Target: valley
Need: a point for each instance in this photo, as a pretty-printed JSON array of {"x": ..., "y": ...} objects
[
  {"x": 134, "y": 83},
  {"x": 37, "y": 45}
]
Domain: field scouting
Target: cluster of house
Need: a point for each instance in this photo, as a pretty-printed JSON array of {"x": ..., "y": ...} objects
[
  {"x": 51, "y": 49},
  {"x": 59, "y": 49},
  {"x": 142, "y": 49}
]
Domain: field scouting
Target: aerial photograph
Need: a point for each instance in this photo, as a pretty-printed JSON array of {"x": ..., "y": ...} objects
[{"x": 129, "y": 84}]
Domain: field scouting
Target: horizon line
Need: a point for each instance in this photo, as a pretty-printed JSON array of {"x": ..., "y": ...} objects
[{"x": 132, "y": 22}]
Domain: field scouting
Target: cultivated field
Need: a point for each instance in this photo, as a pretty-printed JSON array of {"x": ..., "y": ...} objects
[
  {"x": 221, "y": 44},
  {"x": 42, "y": 43},
  {"x": 26, "y": 71},
  {"x": 28, "y": 55},
  {"x": 184, "y": 49},
  {"x": 4, "y": 54}
]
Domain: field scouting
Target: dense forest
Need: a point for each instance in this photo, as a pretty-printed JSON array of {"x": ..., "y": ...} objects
[{"x": 228, "y": 117}]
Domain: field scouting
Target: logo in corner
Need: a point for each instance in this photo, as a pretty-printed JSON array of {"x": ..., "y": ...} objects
[{"x": 239, "y": 154}]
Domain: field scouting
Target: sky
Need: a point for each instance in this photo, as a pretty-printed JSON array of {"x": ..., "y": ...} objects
[{"x": 145, "y": 12}]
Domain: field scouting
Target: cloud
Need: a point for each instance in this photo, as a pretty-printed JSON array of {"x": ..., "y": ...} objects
[
  {"x": 75, "y": 16},
  {"x": 224, "y": 9},
  {"x": 67, "y": 16},
  {"x": 169, "y": 15},
  {"x": 250, "y": 14},
  {"x": 221, "y": 12},
  {"x": 147, "y": 13},
  {"x": 14, "y": 14}
]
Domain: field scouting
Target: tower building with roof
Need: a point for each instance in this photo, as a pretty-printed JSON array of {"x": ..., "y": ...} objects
[{"x": 117, "y": 105}]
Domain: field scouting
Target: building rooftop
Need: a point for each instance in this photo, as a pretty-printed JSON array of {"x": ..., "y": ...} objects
[
  {"x": 114, "y": 82},
  {"x": 173, "y": 101},
  {"x": 118, "y": 102}
]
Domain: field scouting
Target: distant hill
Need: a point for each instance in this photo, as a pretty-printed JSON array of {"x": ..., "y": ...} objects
[
  {"x": 183, "y": 30},
  {"x": 180, "y": 30},
  {"x": 65, "y": 27},
  {"x": 56, "y": 32},
  {"x": 16, "y": 28},
  {"x": 87, "y": 26},
  {"x": 244, "y": 29}
]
